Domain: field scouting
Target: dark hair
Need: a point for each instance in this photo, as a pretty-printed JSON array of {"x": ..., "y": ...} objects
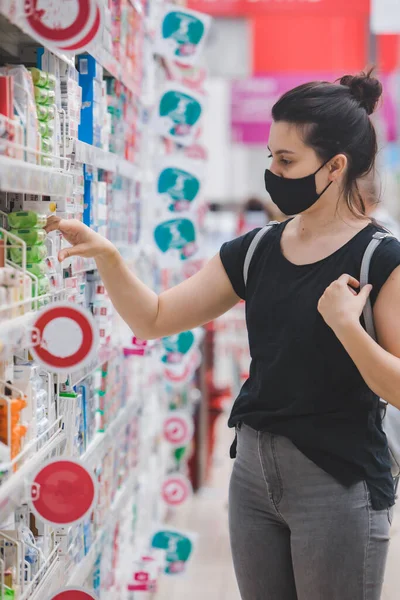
[{"x": 335, "y": 120}]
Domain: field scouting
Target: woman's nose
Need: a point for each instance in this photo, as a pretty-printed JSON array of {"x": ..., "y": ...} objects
[{"x": 274, "y": 168}]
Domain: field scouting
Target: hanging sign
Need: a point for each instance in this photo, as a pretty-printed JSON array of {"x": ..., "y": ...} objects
[
  {"x": 176, "y": 490},
  {"x": 178, "y": 428},
  {"x": 68, "y": 26},
  {"x": 62, "y": 492},
  {"x": 64, "y": 337},
  {"x": 181, "y": 33},
  {"x": 178, "y": 184},
  {"x": 177, "y": 346},
  {"x": 178, "y": 114},
  {"x": 178, "y": 547},
  {"x": 177, "y": 240},
  {"x": 73, "y": 593}
]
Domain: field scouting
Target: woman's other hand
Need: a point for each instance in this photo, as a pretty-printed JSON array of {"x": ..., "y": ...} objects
[
  {"x": 84, "y": 241},
  {"x": 340, "y": 305}
]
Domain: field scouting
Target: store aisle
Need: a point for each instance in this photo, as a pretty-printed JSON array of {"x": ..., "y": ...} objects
[{"x": 210, "y": 575}]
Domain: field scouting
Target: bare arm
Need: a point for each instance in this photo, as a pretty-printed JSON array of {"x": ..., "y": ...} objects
[
  {"x": 379, "y": 364},
  {"x": 196, "y": 301}
]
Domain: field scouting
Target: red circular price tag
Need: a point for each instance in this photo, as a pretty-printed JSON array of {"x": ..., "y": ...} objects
[
  {"x": 178, "y": 429},
  {"x": 64, "y": 337},
  {"x": 176, "y": 489},
  {"x": 89, "y": 37},
  {"x": 73, "y": 594},
  {"x": 68, "y": 25},
  {"x": 62, "y": 492}
]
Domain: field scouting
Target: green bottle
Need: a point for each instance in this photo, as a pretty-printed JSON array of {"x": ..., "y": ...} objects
[
  {"x": 38, "y": 269},
  {"x": 26, "y": 218},
  {"x": 43, "y": 286},
  {"x": 44, "y": 112},
  {"x": 34, "y": 254},
  {"x": 40, "y": 78},
  {"x": 30, "y": 236}
]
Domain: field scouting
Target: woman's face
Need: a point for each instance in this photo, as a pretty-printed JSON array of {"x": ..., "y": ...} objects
[{"x": 291, "y": 158}]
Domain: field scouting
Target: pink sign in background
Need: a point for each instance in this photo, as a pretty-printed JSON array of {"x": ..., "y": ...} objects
[{"x": 252, "y": 101}]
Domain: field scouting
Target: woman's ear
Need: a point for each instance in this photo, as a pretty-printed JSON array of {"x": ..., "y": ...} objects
[{"x": 337, "y": 166}]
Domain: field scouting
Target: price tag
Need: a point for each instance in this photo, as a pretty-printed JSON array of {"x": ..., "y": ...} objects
[{"x": 176, "y": 490}]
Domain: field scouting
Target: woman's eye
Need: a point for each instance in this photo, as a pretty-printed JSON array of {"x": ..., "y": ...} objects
[
  {"x": 270, "y": 156},
  {"x": 285, "y": 161}
]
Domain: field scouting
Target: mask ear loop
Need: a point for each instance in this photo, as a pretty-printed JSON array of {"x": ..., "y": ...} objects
[{"x": 330, "y": 183}]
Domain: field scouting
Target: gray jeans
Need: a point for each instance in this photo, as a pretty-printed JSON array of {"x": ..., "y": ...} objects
[{"x": 298, "y": 534}]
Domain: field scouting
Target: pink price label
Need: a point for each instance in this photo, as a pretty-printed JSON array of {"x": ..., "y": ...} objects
[
  {"x": 182, "y": 130},
  {"x": 187, "y": 49},
  {"x": 189, "y": 249},
  {"x": 182, "y": 205},
  {"x": 174, "y": 358}
]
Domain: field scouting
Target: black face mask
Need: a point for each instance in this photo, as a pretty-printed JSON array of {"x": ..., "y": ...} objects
[{"x": 293, "y": 196}]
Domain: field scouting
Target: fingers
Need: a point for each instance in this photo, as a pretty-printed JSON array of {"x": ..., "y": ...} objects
[
  {"x": 78, "y": 250},
  {"x": 349, "y": 280},
  {"x": 53, "y": 223},
  {"x": 364, "y": 293}
]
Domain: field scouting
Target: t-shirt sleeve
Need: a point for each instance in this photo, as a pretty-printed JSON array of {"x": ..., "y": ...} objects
[
  {"x": 385, "y": 260},
  {"x": 233, "y": 255}
]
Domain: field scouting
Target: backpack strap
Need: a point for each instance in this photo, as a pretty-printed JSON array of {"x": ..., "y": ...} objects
[
  {"x": 252, "y": 248},
  {"x": 368, "y": 314}
]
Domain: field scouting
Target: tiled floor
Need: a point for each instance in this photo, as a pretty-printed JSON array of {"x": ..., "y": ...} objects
[{"x": 210, "y": 575}]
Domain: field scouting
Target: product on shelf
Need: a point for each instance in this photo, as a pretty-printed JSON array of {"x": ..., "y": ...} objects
[
  {"x": 24, "y": 112},
  {"x": 109, "y": 414}
]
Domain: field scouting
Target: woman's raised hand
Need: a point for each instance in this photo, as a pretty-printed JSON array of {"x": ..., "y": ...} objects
[{"x": 84, "y": 241}]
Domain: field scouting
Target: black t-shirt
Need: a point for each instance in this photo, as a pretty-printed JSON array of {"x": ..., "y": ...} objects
[{"x": 303, "y": 385}]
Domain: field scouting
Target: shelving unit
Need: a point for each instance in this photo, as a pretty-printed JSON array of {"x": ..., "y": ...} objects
[{"x": 121, "y": 443}]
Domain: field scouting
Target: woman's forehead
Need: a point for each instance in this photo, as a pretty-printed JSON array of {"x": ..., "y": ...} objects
[{"x": 286, "y": 137}]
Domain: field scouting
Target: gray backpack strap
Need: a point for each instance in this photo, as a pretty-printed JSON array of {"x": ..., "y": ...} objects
[
  {"x": 252, "y": 248},
  {"x": 364, "y": 276}
]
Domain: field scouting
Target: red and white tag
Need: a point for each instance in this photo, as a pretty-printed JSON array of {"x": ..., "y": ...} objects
[
  {"x": 62, "y": 492},
  {"x": 176, "y": 490},
  {"x": 67, "y": 26},
  {"x": 73, "y": 593},
  {"x": 178, "y": 429},
  {"x": 64, "y": 337}
]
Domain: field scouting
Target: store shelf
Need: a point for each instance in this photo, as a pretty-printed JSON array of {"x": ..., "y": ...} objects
[
  {"x": 48, "y": 581},
  {"x": 13, "y": 34},
  {"x": 82, "y": 571},
  {"x": 102, "y": 441},
  {"x": 13, "y": 492},
  {"x": 13, "y": 331},
  {"x": 23, "y": 177},
  {"x": 96, "y": 157}
]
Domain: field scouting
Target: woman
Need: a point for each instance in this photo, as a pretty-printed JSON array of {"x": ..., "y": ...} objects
[{"x": 311, "y": 490}]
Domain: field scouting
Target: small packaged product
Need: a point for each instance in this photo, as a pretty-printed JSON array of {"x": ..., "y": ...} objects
[
  {"x": 26, "y": 218},
  {"x": 30, "y": 236}
]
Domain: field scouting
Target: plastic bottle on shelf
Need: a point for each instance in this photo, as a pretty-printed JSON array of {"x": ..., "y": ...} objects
[
  {"x": 46, "y": 112},
  {"x": 38, "y": 269},
  {"x": 34, "y": 254},
  {"x": 44, "y": 95},
  {"x": 30, "y": 236},
  {"x": 43, "y": 286},
  {"x": 26, "y": 218},
  {"x": 40, "y": 78},
  {"x": 18, "y": 431}
]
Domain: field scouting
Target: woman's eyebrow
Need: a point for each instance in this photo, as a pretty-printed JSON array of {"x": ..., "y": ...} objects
[{"x": 282, "y": 151}]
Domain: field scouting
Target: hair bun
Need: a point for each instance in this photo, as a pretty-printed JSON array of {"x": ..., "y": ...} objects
[{"x": 366, "y": 90}]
